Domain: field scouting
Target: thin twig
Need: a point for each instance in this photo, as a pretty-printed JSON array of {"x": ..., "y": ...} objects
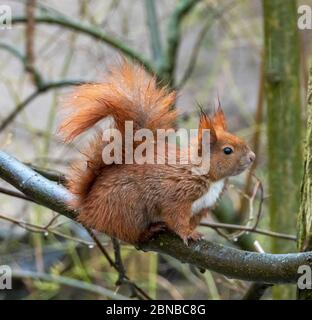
[
  {"x": 257, "y": 135},
  {"x": 18, "y": 109},
  {"x": 182, "y": 8},
  {"x": 82, "y": 285},
  {"x": 118, "y": 262},
  {"x": 45, "y": 230},
  {"x": 198, "y": 42},
  {"x": 51, "y": 222},
  {"x": 23, "y": 59},
  {"x": 30, "y": 37},
  {"x": 42, "y": 89},
  {"x": 92, "y": 31},
  {"x": 116, "y": 267},
  {"x": 217, "y": 226},
  {"x": 152, "y": 22},
  {"x": 101, "y": 248},
  {"x": 252, "y": 221},
  {"x": 121, "y": 269},
  {"x": 15, "y": 194}
]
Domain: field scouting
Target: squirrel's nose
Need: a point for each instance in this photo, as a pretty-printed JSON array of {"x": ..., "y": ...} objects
[{"x": 251, "y": 156}]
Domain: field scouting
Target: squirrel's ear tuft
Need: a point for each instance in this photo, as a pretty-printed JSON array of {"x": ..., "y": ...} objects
[
  {"x": 219, "y": 118},
  {"x": 206, "y": 123}
]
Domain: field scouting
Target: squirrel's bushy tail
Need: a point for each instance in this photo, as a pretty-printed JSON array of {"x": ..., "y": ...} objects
[{"x": 127, "y": 94}]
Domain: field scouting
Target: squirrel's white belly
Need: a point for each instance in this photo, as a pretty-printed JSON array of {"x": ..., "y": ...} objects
[{"x": 209, "y": 198}]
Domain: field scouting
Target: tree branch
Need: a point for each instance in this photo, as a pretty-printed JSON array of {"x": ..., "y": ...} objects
[
  {"x": 155, "y": 40},
  {"x": 30, "y": 37},
  {"x": 35, "y": 186},
  {"x": 234, "y": 263},
  {"x": 43, "y": 87},
  {"x": 305, "y": 213},
  {"x": 256, "y": 291},
  {"x": 23, "y": 59},
  {"x": 210, "y": 19},
  {"x": 93, "y": 32},
  {"x": 174, "y": 36},
  {"x": 41, "y": 84}
]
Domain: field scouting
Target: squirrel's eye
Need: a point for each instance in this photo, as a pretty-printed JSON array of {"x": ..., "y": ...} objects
[{"x": 227, "y": 150}]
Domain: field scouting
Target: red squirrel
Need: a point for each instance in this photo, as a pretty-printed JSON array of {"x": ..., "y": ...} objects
[{"x": 133, "y": 201}]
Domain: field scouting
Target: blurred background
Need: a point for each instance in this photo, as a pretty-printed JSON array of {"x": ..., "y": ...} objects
[{"x": 204, "y": 49}]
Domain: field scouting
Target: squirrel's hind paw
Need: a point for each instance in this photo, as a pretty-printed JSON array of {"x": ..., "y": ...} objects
[{"x": 152, "y": 230}]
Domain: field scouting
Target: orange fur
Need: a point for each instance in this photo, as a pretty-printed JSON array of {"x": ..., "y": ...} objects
[
  {"x": 125, "y": 200},
  {"x": 128, "y": 93}
]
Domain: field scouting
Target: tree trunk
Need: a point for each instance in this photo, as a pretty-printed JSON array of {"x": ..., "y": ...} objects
[
  {"x": 282, "y": 85},
  {"x": 305, "y": 213}
]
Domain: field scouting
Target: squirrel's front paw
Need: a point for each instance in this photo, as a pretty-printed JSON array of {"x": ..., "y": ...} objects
[
  {"x": 196, "y": 236},
  {"x": 193, "y": 236}
]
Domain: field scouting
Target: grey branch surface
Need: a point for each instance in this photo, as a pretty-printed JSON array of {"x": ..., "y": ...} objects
[
  {"x": 231, "y": 262},
  {"x": 35, "y": 186}
]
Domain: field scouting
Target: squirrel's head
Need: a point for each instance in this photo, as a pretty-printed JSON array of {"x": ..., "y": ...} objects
[{"x": 229, "y": 155}]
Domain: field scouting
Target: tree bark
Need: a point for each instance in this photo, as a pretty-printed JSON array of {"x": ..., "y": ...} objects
[
  {"x": 282, "y": 84},
  {"x": 305, "y": 212}
]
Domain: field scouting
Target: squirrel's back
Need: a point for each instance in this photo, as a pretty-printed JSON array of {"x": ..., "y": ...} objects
[{"x": 128, "y": 93}]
